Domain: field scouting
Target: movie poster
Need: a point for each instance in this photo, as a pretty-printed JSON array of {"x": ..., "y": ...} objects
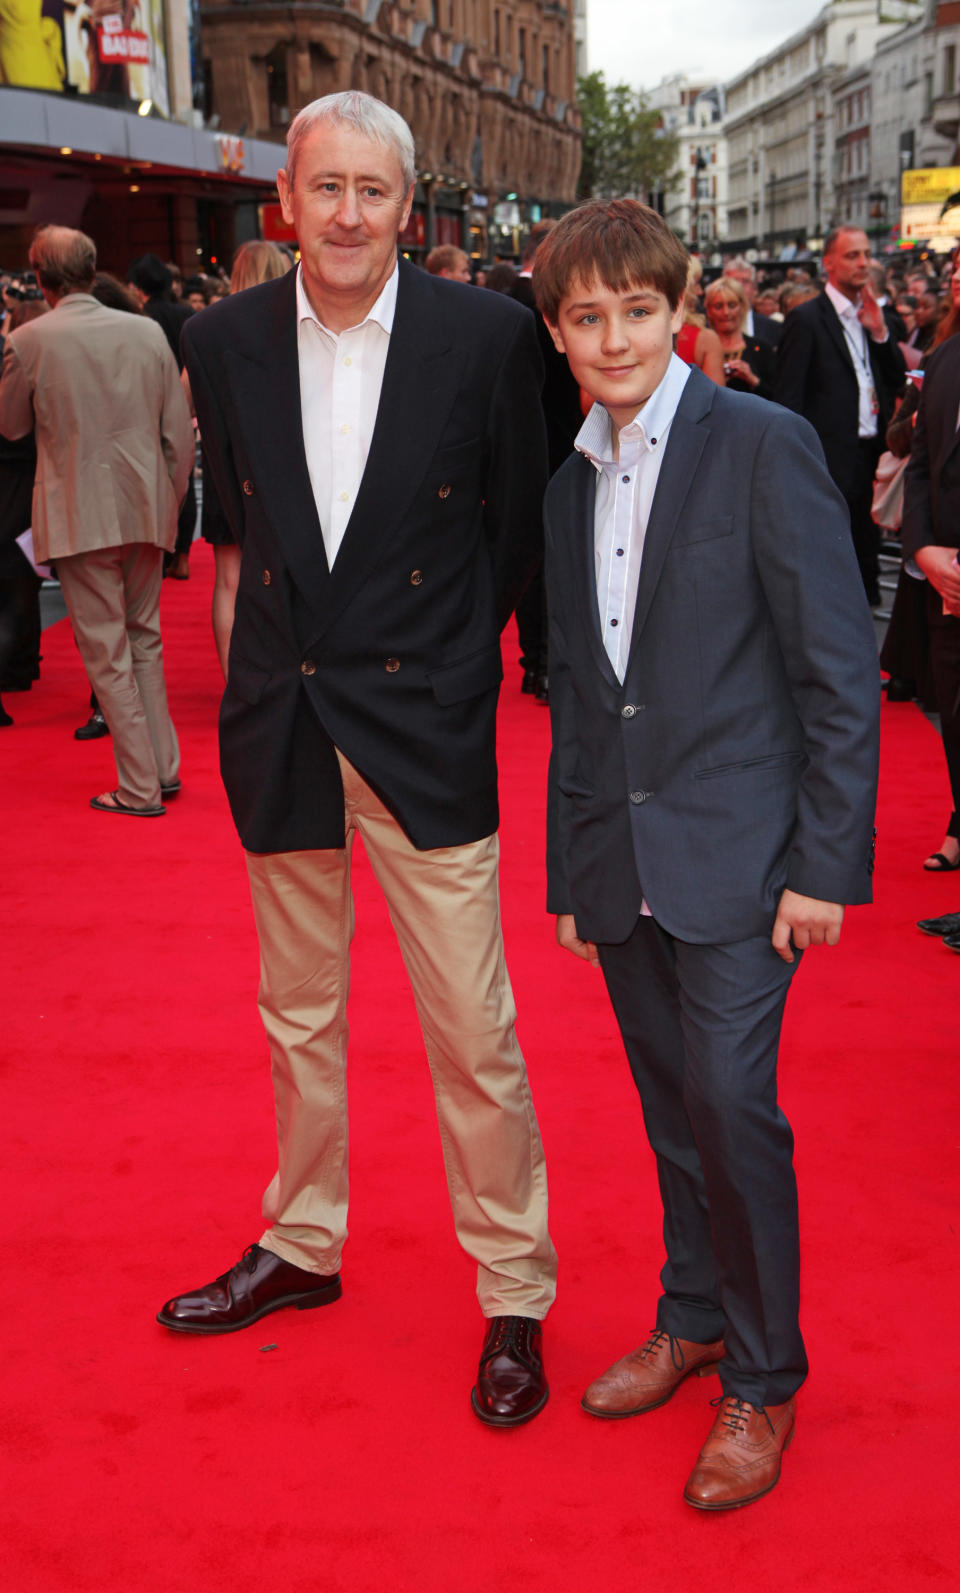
[{"x": 101, "y": 47}]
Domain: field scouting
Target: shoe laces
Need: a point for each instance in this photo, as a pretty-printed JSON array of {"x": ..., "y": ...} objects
[
  {"x": 508, "y": 1332},
  {"x": 655, "y": 1342},
  {"x": 735, "y": 1412},
  {"x": 247, "y": 1263}
]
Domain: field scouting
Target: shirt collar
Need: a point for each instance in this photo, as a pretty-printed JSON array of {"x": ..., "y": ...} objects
[
  {"x": 844, "y": 307},
  {"x": 594, "y": 439},
  {"x": 383, "y": 311}
]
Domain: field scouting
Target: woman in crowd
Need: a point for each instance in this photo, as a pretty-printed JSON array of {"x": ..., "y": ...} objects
[
  {"x": 696, "y": 344},
  {"x": 749, "y": 364}
]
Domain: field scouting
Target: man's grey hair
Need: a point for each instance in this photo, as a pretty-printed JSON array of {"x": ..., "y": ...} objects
[
  {"x": 739, "y": 264},
  {"x": 65, "y": 260},
  {"x": 365, "y": 115}
]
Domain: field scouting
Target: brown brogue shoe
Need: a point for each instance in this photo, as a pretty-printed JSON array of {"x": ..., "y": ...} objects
[
  {"x": 511, "y": 1387},
  {"x": 649, "y": 1376},
  {"x": 740, "y": 1460},
  {"x": 260, "y": 1282}
]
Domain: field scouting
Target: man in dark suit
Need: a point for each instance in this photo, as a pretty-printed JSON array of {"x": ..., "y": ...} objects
[
  {"x": 562, "y": 414},
  {"x": 930, "y": 534},
  {"x": 714, "y": 702},
  {"x": 838, "y": 366},
  {"x": 375, "y": 439}
]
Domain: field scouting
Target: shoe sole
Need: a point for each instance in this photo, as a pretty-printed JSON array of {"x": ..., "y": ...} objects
[
  {"x": 507, "y": 1421},
  {"x": 709, "y": 1370},
  {"x": 738, "y": 1504},
  {"x": 303, "y": 1302}
]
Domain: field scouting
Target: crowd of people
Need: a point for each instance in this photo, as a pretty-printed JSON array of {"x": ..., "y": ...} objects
[{"x": 377, "y": 441}]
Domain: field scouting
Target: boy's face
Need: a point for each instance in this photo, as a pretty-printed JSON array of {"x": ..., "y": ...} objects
[{"x": 618, "y": 345}]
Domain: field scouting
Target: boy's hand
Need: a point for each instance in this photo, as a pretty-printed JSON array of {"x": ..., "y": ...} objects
[
  {"x": 568, "y": 938},
  {"x": 806, "y": 922}
]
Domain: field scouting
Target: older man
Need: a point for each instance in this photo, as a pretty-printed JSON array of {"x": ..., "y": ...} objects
[
  {"x": 114, "y": 452},
  {"x": 376, "y": 441}
]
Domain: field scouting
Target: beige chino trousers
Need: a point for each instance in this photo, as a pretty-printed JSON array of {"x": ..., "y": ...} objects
[
  {"x": 113, "y": 600},
  {"x": 445, "y": 909}
]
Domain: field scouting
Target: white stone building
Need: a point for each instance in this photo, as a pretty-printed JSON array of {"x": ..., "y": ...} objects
[
  {"x": 915, "y": 109},
  {"x": 780, "y": 129},
  {"x": 695, "y": 203}
]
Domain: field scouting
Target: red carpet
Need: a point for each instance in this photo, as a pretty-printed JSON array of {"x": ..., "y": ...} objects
[{"x": 138, "y": 1135}]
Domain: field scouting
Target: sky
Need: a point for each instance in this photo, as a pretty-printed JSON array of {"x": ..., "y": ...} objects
[{"x": 642, "y": 41}]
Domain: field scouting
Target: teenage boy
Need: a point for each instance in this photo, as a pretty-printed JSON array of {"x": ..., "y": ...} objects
[{"x": 714, "y": 695}]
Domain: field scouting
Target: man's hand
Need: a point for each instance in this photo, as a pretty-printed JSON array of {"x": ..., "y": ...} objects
[
  {"x": 940, "y": 567},
  {"x": 568, "y": 938},
  {"x": 871, "y": 315},
  {"x": 806, "y": 922}
]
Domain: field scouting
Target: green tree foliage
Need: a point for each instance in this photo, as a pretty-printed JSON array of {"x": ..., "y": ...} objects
[{"x": 626, "y": 154}]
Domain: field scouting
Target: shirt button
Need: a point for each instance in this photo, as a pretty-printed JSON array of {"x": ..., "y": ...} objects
[
  {"x": 626, "y": 480},
  {"x": 619, "y": 553},
  {"x": 266, "y": 577},
  {"x": 614, "y": 622},
  {"x": 392, "y": 665},
  {"x": 444, "y": 491},
  {"x": 308, "y": 667},
  {"x": 248, "y": 488},
  {"x": 344, "y": 431},
  {"x": 416, "y": 578},
  {"x": 344, "y": 497},
  {"x": 347, "y": 360}
]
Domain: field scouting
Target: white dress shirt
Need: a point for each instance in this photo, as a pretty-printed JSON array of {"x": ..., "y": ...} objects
[
  {"x": 856, "y": 335},
  {"x": 625, "y": 489},
  {"x": 341, "y": 375}
]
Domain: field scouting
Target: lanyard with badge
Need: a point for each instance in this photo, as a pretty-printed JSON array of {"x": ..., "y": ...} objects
[{"x": 862, "y": 365}]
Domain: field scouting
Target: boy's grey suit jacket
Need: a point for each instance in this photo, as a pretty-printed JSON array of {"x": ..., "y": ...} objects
[{"x": 740, "y": 754}]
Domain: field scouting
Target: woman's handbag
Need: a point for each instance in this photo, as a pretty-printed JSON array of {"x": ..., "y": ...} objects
[{"x": 887, "y": 506}]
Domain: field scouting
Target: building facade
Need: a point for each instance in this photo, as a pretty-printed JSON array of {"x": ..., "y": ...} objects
[
  {"x": 915, "y": 109},
  {"x": 694, "y": 201},
  {"x": 163, "y": 130},
  {"x": 487, "y": 87},
  {"x": 782, "y": 149}
]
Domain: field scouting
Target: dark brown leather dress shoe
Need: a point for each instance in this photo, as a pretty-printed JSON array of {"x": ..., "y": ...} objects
[
  {"x": 511, "y": 1387},
  {"x": 740, "y": 1460},
  {"x": 649, "y": 1376},
  {"x": 260, "y": 1282}
]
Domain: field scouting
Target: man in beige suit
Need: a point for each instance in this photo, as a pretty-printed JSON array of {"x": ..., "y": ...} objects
[{"x": 114, "y": 451}]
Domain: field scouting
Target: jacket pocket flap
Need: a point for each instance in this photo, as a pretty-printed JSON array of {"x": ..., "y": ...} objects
[
  {"x": 703, "y": 530},
  {"x": 468, "y": 677}
]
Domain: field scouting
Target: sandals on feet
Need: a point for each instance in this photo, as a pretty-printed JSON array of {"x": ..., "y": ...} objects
[
  {"x": 939, "y": 863},
  {"x": 110, "y": 802}
]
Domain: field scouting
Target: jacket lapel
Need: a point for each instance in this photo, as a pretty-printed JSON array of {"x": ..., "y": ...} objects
[
  {"x": 580, "y": 504},
  {"x": 687, "y": 440},
  {"x": 266, "y": 392},
  {"x": 831, "y": 321}
]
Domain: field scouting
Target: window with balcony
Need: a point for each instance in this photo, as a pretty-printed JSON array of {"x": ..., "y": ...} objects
[{"x": 949, "y": 69}]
